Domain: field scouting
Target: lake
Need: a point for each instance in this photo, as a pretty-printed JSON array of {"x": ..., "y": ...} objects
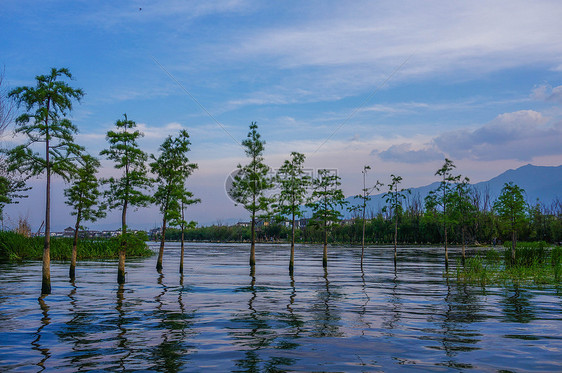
[{"x": 219, "y": 318}]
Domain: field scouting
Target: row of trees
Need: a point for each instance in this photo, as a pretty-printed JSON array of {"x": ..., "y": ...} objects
[
  {"x": 45, "y": 123},
  {"x": 50, "y": 149},
  {"x": 453, "y": 206}
]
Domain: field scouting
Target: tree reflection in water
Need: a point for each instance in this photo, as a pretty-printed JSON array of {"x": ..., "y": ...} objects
[
  {"x": 394, "y": 316},
  {"x": 171, "y": 354},
  {"x": 45, "y": 320},
  {"x": 363, "y": 310},
  {"x": 462, "y": 309},
  {"x": 326, "y": 320},
  {"x": 253, "y": 330},
  {"x": 517, "y": 307},
  {"x": 122, "y": 342}
]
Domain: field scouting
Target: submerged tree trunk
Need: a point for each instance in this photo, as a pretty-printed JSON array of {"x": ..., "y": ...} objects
[
  {"x": 463, "y": 246},
  {"x": 253, "y": 244},
  {"x": 363, "y": 239},
  {"x": 161, "y": 251},
  {"x": 182, "y": 249},
  {"x": 72, "y": 271},
  {"x": 292, "y": 259},
  {"x": 446, "y": 249},
  {"x": 325, "y": 254},
  {"x": 513, "y": 245},
  {"x": 123, "y": 246},
  {"x": 46, "y": 281},
  {"x": 395, "y": 237}
]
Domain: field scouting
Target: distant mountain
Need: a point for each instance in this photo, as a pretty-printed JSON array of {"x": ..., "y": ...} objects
[{"x": 539, "y": 182}]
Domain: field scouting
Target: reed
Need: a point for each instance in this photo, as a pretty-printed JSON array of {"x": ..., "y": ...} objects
[{"x": 14, "y": 246}]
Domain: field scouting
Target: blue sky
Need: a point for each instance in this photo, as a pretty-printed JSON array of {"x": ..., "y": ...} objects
[{"x": 395, "y": 85}]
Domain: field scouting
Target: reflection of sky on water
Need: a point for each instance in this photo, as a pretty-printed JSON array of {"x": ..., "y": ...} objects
[{"x": 217, "y": 316}]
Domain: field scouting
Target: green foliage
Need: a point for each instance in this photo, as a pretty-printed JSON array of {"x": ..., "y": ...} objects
[
  {"x": 14, "y": 246},
  {"x": 129, "y": 189},
  {"x": 83, "y": 195},
  {"x": 47, "y": 103},
  {"x": 252, "y": 181},
  {"x": 293, "y": 183},
  {"x": 512, "y": 209},
  {"x": 172, "y": 168},
  {"x": 326, "y": 198},
  {"x": 534, "y": 264}
]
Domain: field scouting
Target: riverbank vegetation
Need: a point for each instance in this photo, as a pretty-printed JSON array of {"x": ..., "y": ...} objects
[
  {"x": 14, "y": 246},
  {"x": 534, "y": 263}
]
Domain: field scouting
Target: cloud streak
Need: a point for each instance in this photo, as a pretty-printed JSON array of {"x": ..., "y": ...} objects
[{"x": 522, "y": 135}]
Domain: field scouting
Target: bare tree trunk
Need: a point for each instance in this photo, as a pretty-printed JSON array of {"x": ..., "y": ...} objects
[
  {"x": 292, "y": 259},
  {"x": 325, "y": 254},
  {"x": 513, "y": 245},
  {"x": 395, "y": 236},
  {"x": 446, "y": 249},
  {"x": 182, "y": 239},
  {"x": 46, "y": 281},
  {"x": 253, "y": 244},
  {"x": 123, "y": 247},
  {"x": 463, "y": 246},
  {"x": 363, "y": 239},
  {"x": 72, "y": 271},
  {"x": 162, "y": 240}
]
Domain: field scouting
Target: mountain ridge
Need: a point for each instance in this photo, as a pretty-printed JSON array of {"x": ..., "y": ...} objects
[{"x": 542, "y": 183}]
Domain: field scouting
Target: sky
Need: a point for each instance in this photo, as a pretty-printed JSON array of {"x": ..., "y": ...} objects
[{"x": 396, "y": 85}]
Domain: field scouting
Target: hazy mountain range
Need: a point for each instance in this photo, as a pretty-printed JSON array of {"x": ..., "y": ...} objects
[{"x": 539, "y": 182}]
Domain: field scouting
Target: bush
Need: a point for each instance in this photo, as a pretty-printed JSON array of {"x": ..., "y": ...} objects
[{"x": 14, "y": 246}]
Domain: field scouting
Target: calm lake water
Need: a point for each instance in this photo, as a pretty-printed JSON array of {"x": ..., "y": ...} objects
[{"x": 219, "y": 318}]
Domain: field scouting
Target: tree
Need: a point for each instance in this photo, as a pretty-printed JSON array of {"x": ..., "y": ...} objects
[
  {"x": 251, "y": 182},
  {"x": 129, "y": 189},
  {"x": 365, "y": 197},
  {"x": 441, "y": 197},
  {"x": 326, "y": 197},
  {"x": 84, "y": 198},
  {"x": 171, "y": 168},
  {"x": 293, "y": 183},
  {"x": 462, "y": 209},
  {"x": 394, "y": 199},
  {"x": 512, "y": 209},
  {"x": 46, "y": 104}
]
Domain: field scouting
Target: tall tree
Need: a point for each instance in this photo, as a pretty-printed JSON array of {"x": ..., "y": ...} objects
[
  {"x": 394, "y": 199},
  {"x": 171, "y": 168},
  {"x": 46, "y": 104},
  {"x": 293, "y": 183},
  {"x": 130, "y": 188},
  {"x": 512, "y": 209},
  {"x": 251, "y": 182},
  {"x": 83, "y": 196},
  {"x": 365, "y": 197},
  {"x": 441, "y": 198},
  {"x": 326, "y": 198}
]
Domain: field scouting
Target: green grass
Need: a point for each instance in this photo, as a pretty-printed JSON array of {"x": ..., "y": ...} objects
[
  {"x": 14, "y": 246},
  {"x": 535, "y": 263}
]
